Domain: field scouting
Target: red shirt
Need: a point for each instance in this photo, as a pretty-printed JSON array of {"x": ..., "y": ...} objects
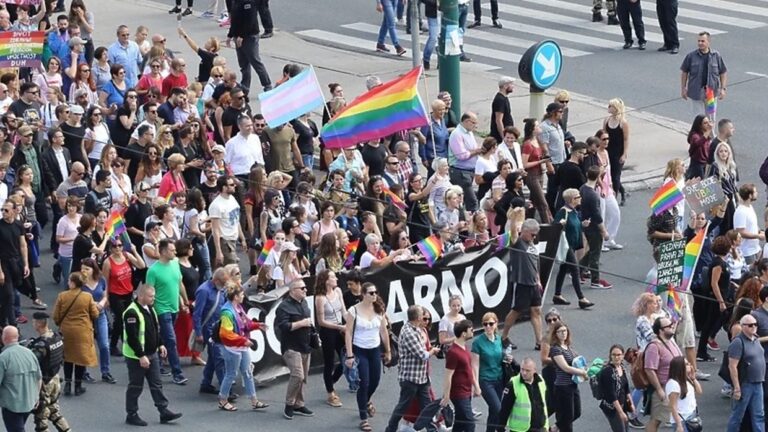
[
  {"x": 459, "y": 360},
  {"x": 120, "y": 277},
  {"x": 172, "y": 81}
]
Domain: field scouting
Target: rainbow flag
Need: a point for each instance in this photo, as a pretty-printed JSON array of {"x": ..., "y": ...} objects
[
  {"x": 431, "y": 247},
  {"x": 169, "y": 197},
  {"x": 504, "y": 241},
  {"x": 265, "y": 252},
  {"x": 395, "y": 199},
  {"x": 391, "y": 107},
  {"x": 350, "y": 251},
  {"x": 666, "y": 197},
  {"x": 21, "y": 48},
  {"x": 115, "y": 225},
  {"x": 292, "y": 99},
  {"x": 710, "y": 102},
  {"x": 674, "y": 303},
  {"x": 691, "y": 257}
]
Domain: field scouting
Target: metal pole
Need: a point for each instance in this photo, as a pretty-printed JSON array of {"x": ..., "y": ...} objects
[
  {"x": 413, "y": 12},
  {"x": 449, "y": 74},
  {"x": 536, "y": 102}
]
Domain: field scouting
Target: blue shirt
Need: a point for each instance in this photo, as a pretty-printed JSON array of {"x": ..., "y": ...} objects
[
  {"x": 490, "y": 354},
  {"x": 129, "y": 57},
  {"x": 440, "y": 131},
  {"x": 205, "y": 298},
  {"x": 114, "y": 94},
  {"x": 97, "y": 292}
]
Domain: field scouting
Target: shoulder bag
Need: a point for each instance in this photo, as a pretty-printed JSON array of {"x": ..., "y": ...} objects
[{"x": 193, "y": 344}]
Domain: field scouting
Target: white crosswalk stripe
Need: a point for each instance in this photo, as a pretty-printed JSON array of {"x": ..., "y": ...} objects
[{"x": 568, "y": 22}]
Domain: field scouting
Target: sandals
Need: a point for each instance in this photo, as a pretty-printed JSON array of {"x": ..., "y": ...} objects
[
  {"x": 365, "y": 426},
  {"x": 258, "y": 405},
  {"x": 371, "y": 409},
  {"x": 227, "y": 406}
]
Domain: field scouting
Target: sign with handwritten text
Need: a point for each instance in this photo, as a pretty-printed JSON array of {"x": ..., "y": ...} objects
[
  {"x": 704, "y": 195},
  {"x": 21, "y": 48}
]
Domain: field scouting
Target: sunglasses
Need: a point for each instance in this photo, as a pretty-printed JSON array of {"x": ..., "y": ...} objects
[
  {"x": 749, "y": 325},
  {"x": 303, "y": 288},
  {"x": 85, "y": 70},
  {"x": 426, "y": 319},
  {"x": 372, "y": 293},
  {"x": 5, "y": 210},
  {"x": 216, "y": 76},
  {"x": 489, "y": 324},
  {"x": 552, "y": 320}
]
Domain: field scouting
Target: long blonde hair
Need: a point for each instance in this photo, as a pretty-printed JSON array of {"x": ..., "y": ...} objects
[
  {"x": 671, "y": 171},
  {"x": 618, "y": 104},
  {"x": 725, "y": 168}
]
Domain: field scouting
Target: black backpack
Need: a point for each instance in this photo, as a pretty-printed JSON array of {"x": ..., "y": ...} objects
[
  {"x": 594, "y": 385},
  {"x": 215, "y": 331}
]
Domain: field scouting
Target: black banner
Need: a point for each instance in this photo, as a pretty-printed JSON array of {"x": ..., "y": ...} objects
[{"x": 479, "y": 275}]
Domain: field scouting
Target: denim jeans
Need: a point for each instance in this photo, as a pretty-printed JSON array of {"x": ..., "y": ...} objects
[
  {"x": 388, "y": 23},
  {"x": 464, "y": 419},
  {"x": 215, "y": 363},
  {"x": 308, "y": 160},
  {"x": 434, "y": 31},
  {"x": 66, "y": 268},
  {"x": 168, "y": 335},
  {"x": 752, "y": 398},
  {"x": 369, "y": 366},
  {"x": 463, "y": 12},
  {"x": 491, "y": 392},
  {"x": 234, "y": 361},
  {"x": 204, "y": 260},
  {"x": 13, "y": 421},
  {"x": 408, "y": 391},
  {"x": 102, "y": 341}
]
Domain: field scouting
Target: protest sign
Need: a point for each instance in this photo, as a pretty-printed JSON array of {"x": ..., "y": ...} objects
[
  {"x": 21, "y": 48},
  {"x": 670, "y": 268},
  {"x": 703, "y": 195}
]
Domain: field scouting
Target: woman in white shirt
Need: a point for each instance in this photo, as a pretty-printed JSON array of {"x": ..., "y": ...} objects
[
  {"x": 681, "y": 390},
  {"x": 445, "y": 329},
  {"x": 96, "y": 135},
  {"x": 374, "y": 256},
  {"x": 285, "y": 271}
]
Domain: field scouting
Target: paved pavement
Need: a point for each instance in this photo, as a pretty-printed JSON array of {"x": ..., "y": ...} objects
[{"x": 655, "y": 139}]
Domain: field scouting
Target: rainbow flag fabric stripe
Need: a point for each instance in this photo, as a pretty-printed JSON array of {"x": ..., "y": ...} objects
[
  {"x": 265, "y": 252},
  {"x": 396, "y": 201},
  {"x": 432, "y": 248},
  {"x": 115, "y": 225},
  {"x": 292, "y": 99},
  {"x": 350, "y": 251},
  {"x": 504, "y": 241},
  {"x": 691, "y": 257},
  {"x": 674, "y": 303},
  {"x": 21, "y": 48},
  {"x": 666, "y": 197},
  {"x": 710, "y": 102},
  {"x": 391, "y": 107}
]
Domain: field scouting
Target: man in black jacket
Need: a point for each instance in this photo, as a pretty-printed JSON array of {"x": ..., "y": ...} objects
[
  {"x": 57, "y": 163},
  {"x": 244, "y": 29},
  {"x": 141, "y": 344},
  {"x": 530, "y": 414}
]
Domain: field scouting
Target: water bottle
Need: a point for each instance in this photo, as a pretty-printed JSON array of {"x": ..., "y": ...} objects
[{"x": 508, "y": 354}]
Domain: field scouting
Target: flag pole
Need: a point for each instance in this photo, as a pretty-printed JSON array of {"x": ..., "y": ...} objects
[{"x": 429, "y": 119}]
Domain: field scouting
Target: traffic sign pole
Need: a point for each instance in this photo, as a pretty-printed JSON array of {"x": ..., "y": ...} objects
[
  {"x": 449, "y": 65},
  {"x": 540, "y": 67},
  {"x": 536, "y": 102}
]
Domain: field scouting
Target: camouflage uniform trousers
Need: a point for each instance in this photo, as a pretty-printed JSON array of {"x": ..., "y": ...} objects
[
  {"x": 597, "y": 6},
  {"x": 48, "y": 408}
]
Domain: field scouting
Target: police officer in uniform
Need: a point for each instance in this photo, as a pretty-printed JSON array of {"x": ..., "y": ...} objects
[
  {"x": 48, "y": 347},
  {"x": 141, "y": 344}
]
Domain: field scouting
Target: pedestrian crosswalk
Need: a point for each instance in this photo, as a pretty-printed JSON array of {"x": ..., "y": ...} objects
[{"x": 568, "y": 22}]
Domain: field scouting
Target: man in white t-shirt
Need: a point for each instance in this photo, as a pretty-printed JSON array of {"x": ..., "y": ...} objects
[
  {"x": 745, "y": 222},
  {"x": 224, "y": 213},
  {"x": 243, "y": 150}
]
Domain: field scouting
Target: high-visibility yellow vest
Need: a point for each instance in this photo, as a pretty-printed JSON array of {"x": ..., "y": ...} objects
[
  {"x": 520, "y": 418},
  {"x": 127, "y": 350}
]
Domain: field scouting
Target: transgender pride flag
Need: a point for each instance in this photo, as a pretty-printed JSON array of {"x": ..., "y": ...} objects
[{"x": 295, "y": 97}]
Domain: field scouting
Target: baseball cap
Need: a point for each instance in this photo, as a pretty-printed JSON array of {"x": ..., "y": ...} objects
[
  {"x": 218, "y": 148},
  {"x": 76, "y": 40}
]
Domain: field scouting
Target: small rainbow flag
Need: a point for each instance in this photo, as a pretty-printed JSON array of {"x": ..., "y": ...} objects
[
  {"x": 115, "y": 225},
  {"x": 350, "y": 251},
  {"x": 691, "y": 257},
  {"x": 431, "y": 247},
  {"x": 395, "y": 199},
  {"x": 265, "y": 252},
  {"x": 674, "y": 304},
  {"x": 666, "y": 197},
  {"x": 710, "y": 101},
  {"x": 169, "y": 197},
  {"x": 504, "y": 241}
]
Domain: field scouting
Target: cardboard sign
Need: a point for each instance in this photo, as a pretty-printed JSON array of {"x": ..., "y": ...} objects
[
  {"x": 670, "y": 268},
  {"x": 704, "y": 195},
  {"x": 22, "y": 2},
  {"x": 21, "y": 48}
]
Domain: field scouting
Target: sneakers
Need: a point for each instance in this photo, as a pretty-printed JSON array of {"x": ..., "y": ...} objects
[
  {"x": 225, "y": 23},
  {"x": 635, "y": 423},
  {"x": 400, "y": 50},
  {"x": 303, "y": 411},
  {"x": 477, "y": 413},
  {"x": 180, "y": 380},
  {"x": 22, "y": 319},
  {"x": 612, "y": 20},
  {"x": 115, "y": 352},
  {"x": 465, "y": 58},
  {"x": 334, "y": 400},
  {"x": 207, "y": 14},
  {"x": 474, "y": 24},
  {"x": 497, "y": 24},
  {"x": 88, "y": 378},
  {"x": 288, "y": 412},
  {"x": 108, "y": 378},
  {"x": 601, "y": 284},
  {"x": 705, "y": 358},
  {"x": 57, "y": 273},
  {"x": 186, "y": 12},
  {"x": 167, "y": 416},
  {"x": 208, "y": 389},
  {"x": 612, "y": 244},
  {"x": 135, "y": 420},
  {"x": 223, "y": 17},
  {"x": 726, "y": 391},
  {"x": 382, "y": 48},
  {"x": 175, "y": 10},
  {"x": 641, "y": 46},
  {"x": 426, "y": 65},
  {"x": 712, "y": 344},
  {"x": 597, "y": 17},
  {"x": 701, "y": 376},
  {"x": 164, "y": 372},
  {"x": 266, "y": 35}
]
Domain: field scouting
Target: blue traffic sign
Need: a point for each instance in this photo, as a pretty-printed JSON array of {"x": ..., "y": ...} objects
[{"x": 546, "y": 64}]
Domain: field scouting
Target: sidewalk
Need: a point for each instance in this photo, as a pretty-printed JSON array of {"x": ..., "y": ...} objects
[{"x": 654, "y": 139}]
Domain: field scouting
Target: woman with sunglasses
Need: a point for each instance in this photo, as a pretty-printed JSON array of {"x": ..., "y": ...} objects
[
  {"x": 165, "y": 139},
  {"x": 150, "y": 169},
  {"x": 96, "y": 139},
  {"x": 112, "y": 94},
  {"x": 547, "y": 366},
  {"x": 127, "y": 119},
  {"x": 399, "y": 241},
  {"x": 99, "y": 234},
  {"x": 121, "y": 185},
  {"x": 329, "y": 303},
  {"x": 417, "y": 200},
  {"x": 118, "y": 271},
  {"x": 364, "y": 337},
  {"x": 568, "y": 216},
  {"x": 613, "y": 380},
  {"x": 188, "y": 146},
  {"x": 66, "y": 232},
  {"x": 153, "y": 78},
  {"x": 95, "y": 285},
  {"x": 566, "y": 396},
  {"x": 83, "y": 245},
  {"x": 83, "y": 84},
  {"x": 487, "y": 356}
]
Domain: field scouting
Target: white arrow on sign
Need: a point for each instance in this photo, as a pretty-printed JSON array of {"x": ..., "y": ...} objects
[{"x": 548, "y": 64}]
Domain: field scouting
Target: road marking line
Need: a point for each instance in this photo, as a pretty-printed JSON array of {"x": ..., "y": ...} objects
[
  {"x": 557, "y": 34},
  {"x": 730, "y": 6},
  {"x": 492, "y": 36},
  {"x": 711, "y": 17}
]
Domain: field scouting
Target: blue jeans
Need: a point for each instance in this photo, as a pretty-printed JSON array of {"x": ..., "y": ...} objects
[
  {"x": 369, "y": 366},
  {"x": 13, "y": 421},
  {"x": 434, "y": 30},
  {"x": 408, "y": 391},
  {"x": 388, "y": 23},
  {"x": 168, "y": 335},
  {"x": 463, "y": 12},
  {"x": 234, "y": 361},
  {"x": 204, "y": 257},
  {"x": 215, "y": 363},
  {"x": 491, "y": 392},
  {"x": 464, "y": 419},
  {"x": 752, "y": 397},
  {"x": 308, "y": 160},
  {"x": 102, "y": 340},
  {"x": 66, "y": 268}
]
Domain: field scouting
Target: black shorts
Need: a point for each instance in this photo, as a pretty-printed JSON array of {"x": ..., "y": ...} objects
[{"x": 525, "y": 297}]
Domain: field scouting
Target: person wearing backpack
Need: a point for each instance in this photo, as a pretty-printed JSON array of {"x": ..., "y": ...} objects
[{"x": 613, "y": 384}]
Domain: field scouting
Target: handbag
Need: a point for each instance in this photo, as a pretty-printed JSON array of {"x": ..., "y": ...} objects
[
  {"x": 314, "y": 338},
  {"x": 693, "y": 423},
  {"x": 637, "y": 372},
  {"x": 192, "y": 343}
]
